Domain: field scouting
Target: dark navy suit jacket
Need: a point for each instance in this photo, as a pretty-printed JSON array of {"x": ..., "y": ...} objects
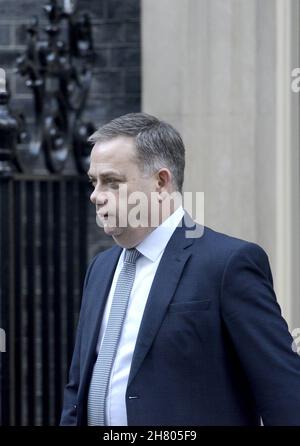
[{"x": 212, "y": 349}]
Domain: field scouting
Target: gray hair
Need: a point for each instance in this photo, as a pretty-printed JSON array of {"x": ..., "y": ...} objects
[{"x": 158, "y": 144}]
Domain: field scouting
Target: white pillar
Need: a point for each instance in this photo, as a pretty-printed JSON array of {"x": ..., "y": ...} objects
[{"x": 287, "y": 162}]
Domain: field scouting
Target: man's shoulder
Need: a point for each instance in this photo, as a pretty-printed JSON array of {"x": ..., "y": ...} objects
[
  {"x": 207, "y": 238},
  {"x": 106, "y": 254},
  {"x": 214, "y": 236},
  {"x": 101, "y": 258},
  {"x": 226, "y": 245}
]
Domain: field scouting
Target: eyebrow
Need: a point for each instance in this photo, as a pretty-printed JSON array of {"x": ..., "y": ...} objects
[{"x": 111, "y": 173}]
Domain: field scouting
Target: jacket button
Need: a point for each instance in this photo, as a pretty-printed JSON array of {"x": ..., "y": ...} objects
[
  {"x": 133, "y": 397},
  {"x": 75, "y": 406}
]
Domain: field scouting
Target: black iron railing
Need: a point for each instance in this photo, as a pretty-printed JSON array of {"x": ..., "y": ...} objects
[{"x": 43, "y": 260}]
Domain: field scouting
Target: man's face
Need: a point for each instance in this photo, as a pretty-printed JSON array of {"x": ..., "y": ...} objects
[{"x": 113, "y": 171}]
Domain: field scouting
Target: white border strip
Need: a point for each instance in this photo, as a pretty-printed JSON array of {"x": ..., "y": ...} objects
[{"x": 283, "y": 159}]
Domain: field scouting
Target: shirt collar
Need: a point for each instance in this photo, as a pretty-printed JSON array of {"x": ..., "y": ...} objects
[{"x": 153, "y": 245}]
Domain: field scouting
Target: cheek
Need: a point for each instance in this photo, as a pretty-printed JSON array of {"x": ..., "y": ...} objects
[
  {"x": 146, "y": 187},
  {"x": 138, "y": 193}
]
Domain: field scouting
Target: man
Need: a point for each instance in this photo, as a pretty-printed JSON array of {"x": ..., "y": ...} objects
[{"x": 173, "y": 329}]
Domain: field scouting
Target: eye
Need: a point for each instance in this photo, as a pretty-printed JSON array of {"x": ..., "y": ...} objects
[
  {"x": 92, "y": 183},
  {"x": 114, "y": 184}
]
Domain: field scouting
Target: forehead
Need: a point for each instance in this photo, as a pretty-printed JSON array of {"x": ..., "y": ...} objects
[{"x": 114, "y": 155}]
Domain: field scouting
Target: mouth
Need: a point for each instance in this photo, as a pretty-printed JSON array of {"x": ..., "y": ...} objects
[{"x": 103, "y": 216}]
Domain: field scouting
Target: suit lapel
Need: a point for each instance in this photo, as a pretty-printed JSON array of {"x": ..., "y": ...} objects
[
  {"x": 163, "y": 288},
  {"x": 98, "y": 294}
]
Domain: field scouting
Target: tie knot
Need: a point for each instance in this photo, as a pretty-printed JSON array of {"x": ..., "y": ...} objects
[{"x": 131, "y": 255}]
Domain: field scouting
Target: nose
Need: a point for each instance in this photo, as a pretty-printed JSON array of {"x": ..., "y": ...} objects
[{"x": 98, "y": 198}]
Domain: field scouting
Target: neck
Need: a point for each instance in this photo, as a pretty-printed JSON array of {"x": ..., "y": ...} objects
[{"x": 136, "y": 235}]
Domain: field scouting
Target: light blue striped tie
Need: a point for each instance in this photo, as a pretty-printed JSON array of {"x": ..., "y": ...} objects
[{"x": 103, "y": 365}]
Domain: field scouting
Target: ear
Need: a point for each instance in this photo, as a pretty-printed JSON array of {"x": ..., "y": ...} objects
[{"x": 164, "y": 179}]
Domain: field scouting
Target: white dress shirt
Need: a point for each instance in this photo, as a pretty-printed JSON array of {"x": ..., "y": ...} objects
[{"x": 151, "y": 248}]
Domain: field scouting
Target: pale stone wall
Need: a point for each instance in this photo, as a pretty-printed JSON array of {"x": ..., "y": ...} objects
[{"x": 214, "y": 69}]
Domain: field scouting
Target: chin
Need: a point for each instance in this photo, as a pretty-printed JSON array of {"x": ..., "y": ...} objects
[
  {"x": 113, "y": 231},
  {"x": 121, "y": 238}
]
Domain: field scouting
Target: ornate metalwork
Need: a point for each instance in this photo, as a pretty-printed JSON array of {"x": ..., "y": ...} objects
[
  {"x": 58, "y": 70},
  {"x": 8, "y": 132}
]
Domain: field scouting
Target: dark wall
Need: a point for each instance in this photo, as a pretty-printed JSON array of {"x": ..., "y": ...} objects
[
  {"x": 116, "y": 29},
  {"x": 116, "y": 84},
  {"x": 116, "y": 81}
]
